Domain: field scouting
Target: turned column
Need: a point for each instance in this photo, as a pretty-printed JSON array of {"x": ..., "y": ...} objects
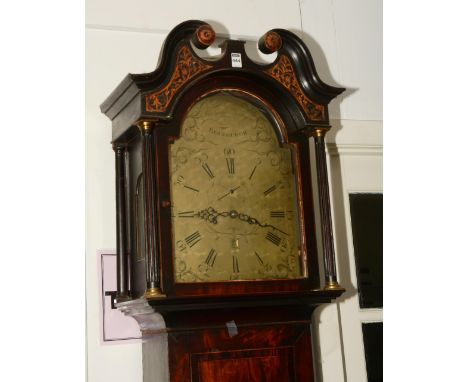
[
  {"x": 121, "y": 222},
  {"x": 153, "y": 274},
  {"x": 325, "y": 212}
]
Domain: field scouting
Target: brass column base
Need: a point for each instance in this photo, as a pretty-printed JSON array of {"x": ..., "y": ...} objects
[
  {"x": 333, "y": 285},
  {"x": 153, "y": 293}
]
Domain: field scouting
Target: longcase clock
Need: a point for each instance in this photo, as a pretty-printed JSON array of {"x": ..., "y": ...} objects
[{"x": 216, "y": 232}]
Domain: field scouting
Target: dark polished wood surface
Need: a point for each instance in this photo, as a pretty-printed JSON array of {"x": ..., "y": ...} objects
[
  {"x": 255, "y": 354},
  {"x": 324, "y": 206},
  {"x": 232, "y": 330},
  {"x": 269, "y": 298},
  {"x": 251, "y": 345},
  {"x": 127, "y": 103},
  {"x": 123, "y": 286}
]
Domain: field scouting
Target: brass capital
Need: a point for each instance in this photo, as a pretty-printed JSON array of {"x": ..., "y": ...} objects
[
  {"x": 318, "y": 132},
  {"x": 145, "y": 126},
  {"x": 315, "y": 131}
]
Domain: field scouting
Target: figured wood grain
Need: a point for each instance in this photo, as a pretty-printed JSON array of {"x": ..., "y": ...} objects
[
  {"x": 244, "y": 366},
  {"x": 271, "y": 353}
]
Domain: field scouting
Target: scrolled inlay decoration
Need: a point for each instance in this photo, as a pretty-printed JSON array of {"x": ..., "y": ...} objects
[
  {"x": 187, "y": 67},
  {"x": 283, "y": 72}
]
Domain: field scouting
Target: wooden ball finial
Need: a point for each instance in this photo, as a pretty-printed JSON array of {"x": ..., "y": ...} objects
[
  {"x": 270, "y": 42},
  {"x": 203, "y": 36}
]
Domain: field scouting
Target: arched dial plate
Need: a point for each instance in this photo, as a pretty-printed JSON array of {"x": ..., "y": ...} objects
[{"x": 234, "y": 196}]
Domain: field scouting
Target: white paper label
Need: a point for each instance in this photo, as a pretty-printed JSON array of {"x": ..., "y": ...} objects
[
  {"x": 236, "y": 60},
  {"x": 232, "y": 328}
]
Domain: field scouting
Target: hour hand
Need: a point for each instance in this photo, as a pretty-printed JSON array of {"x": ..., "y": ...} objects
[
  {"x": 231, "y": 191},
  {"x": 255, "y": 221},
  {"x": 251, "y": 220}
]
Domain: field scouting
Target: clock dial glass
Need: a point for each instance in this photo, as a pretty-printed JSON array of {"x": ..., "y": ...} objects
[{"x": 234, "y": 196}]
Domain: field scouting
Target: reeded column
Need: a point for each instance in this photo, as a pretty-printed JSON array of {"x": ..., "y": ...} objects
[
  {"x": 121, "y": 220},
  {"x": 153, "y": 275},
  {"x": 325, "y": 212}
]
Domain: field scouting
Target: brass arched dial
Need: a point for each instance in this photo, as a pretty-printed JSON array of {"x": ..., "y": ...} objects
[{"x": 234, "y": 197}]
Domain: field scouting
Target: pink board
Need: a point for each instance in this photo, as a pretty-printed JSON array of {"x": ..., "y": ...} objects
[{"x": 115, "y": 325}]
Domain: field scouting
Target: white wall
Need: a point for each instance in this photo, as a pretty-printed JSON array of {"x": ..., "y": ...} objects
[{"x": 121, "y": 37}]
